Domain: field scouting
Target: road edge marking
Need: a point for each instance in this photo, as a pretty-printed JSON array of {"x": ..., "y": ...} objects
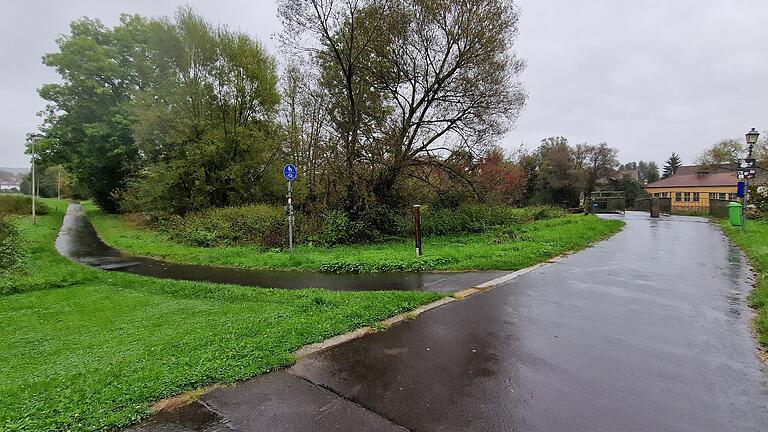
[
  {"x": 310, "y": 349},
  {"x": 518, "y": 273}
]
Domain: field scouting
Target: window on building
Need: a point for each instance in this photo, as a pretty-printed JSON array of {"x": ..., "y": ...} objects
[
  {"x": 695, "y": 196},
  {"x": 686, "y": 196},
  {"x": 713, "y": 195},
  {"x": 722, "y": 195},
  {"x": 732, "y": 196},
  {"x": 678, "y": 196}
]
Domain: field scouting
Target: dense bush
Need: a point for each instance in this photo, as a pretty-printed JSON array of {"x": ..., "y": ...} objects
[
  {"x": 478, "y": 218},
  {"x": 374, "y": 225},
  {"x": 758, "y": 200},
  {"x": 15, "y": 204},
  {"x": 11, "y": 253},
  {"x": 451, "y": 200},
  {"x": 339, "y": 229},
  {"x": 266, "y": 226},
  {"x": 381, "y": 224},
  {"x": 261, "y": 225}
]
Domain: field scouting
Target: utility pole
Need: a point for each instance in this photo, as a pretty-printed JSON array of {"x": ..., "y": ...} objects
[
  {"x": 58, "y": 185},
  {"x": 34, "y": 190}
]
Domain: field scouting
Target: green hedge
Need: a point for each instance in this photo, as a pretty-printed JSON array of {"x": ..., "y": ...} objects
[
  {"x": 266, "y": 226},
  {"x": 379, "y": 225},
  {"x": 15, "y": 204},
  {"x": 11, "y": 252},
  {"x": 261, "y": 225},
  {"x": 477, "y": 218}
]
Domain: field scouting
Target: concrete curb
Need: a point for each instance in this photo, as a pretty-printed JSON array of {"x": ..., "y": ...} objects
[
  {"x": 346, "y": 337},
  {"x": 508, "y": 277},
  {"x": 458, "y": 295}
]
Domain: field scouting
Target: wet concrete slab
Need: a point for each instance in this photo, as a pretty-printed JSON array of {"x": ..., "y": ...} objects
[
  {"x": 648, "y": 331},
  {"x": 79, "y": 242},
  {"x": 273, "y": 402},
  {"x": 194, "y": 417}
]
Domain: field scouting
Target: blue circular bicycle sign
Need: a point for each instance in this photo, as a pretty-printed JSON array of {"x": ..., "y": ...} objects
[{"x": 289, "y": 172}]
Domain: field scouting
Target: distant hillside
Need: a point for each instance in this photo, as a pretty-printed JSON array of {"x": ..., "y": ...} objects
[
  {"x": 18, "y": 171},
  {"x": 10, "y": 177}
]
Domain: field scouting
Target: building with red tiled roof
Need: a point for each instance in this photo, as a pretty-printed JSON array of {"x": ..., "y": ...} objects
[{"x": 693, "y": 186}]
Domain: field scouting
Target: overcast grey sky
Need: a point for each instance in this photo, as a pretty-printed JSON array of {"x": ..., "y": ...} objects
[{"x": 647, "y": 76}]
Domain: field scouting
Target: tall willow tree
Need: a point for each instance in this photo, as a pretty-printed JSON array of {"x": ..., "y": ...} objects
[
  {"x": 162, "y": 115},
  {"x": 88, "y": 119},
  {"x": 206, "y": 128}
]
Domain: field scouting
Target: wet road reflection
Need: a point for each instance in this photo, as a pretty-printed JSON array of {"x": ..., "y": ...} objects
[{"x": 643, "y": 332}]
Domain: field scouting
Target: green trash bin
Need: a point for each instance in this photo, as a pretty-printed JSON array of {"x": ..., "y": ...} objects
[{"x": 734, "y": 213}]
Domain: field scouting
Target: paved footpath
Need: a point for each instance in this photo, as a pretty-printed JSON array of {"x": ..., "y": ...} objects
[{"x": 648, "y": 331}]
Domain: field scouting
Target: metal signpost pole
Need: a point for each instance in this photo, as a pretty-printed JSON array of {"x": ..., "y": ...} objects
[
  {"x": 744, "y": 205},
  {"x": 290, "y": 218},
  {"x": 290, "y": 172}
]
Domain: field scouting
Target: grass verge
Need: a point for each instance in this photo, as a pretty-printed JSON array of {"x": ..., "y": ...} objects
[
  {"x": 82, "y": 349},
  {"x": 754, "y": 242},
  {"x": 509, "y": 249}
]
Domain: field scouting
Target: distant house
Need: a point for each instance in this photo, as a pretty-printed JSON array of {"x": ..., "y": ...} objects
[
  {"x": 694, "y": 186},
  {"x": 10, "y": 187}
]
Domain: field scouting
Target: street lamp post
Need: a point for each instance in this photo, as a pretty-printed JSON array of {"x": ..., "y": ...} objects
[{"x": 752, "y": 137}]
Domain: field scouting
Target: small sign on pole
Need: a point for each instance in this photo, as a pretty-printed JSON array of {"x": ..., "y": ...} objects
[{"x": 290, "y": 173}]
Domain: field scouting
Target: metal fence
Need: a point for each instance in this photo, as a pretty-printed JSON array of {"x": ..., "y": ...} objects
[
  {"x": 690, "y": 209},
  {"x": 718, "y": 208},
  {"x": 644, "y": 204},
  {"x": 666, "y": 205},
  {"x": 712, "y": 207}
]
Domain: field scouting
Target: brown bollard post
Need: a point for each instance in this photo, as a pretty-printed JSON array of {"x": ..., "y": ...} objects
[
  {"x": 655, "y": 207},
  {"x": 417, "y": 228}
]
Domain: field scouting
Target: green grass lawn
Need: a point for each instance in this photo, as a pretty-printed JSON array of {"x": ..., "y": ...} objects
[
  {"x": 528, "y": 244},
  {"x": 754, "y": 242},
  {"x": 82, "y": 349}
]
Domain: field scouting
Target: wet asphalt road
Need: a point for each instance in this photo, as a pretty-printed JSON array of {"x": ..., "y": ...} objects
[
  {"x": 648, "y": 331},
  {"x": 79, "y": 242}
]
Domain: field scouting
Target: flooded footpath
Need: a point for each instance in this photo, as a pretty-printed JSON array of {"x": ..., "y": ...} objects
[
  {"x": 79, "y": 242},
  {"x": 646, "y": 331}
]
